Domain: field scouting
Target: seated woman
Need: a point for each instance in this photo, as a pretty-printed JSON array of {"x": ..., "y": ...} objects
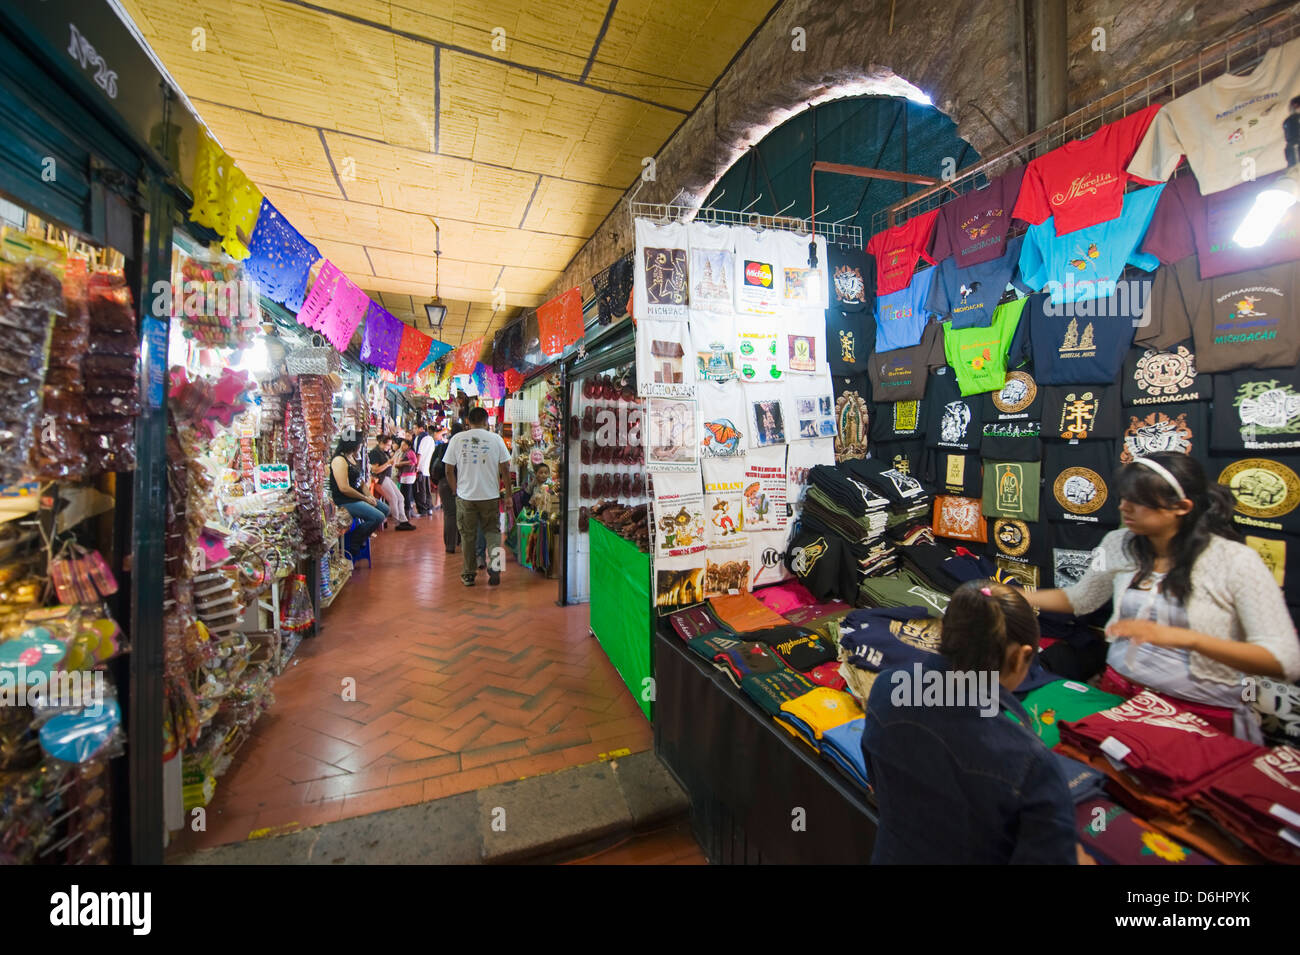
[
  {"x": 1195, "y": 612},
  {"x": 957, "y": 783},
  {"x": 345, "y": 485}
]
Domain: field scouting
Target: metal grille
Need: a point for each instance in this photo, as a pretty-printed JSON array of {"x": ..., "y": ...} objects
[
  {"x": 669, "y": 212},
  {"x": 1239, "y": 52}
]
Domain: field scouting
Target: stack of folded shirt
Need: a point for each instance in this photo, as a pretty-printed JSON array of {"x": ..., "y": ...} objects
[
  {"x": 692, "y": 622},
  {"x": 801, "y": 649},
  {"x": 908, "y": 533},
  {"x": 844, "y": 490},
  {"x": 1171, "y": 752},
  {"x": 1084, "y": 781},
  {"x": 878, "y": 638},
  {"x": 902, "y": 588},
  {"x": 809, "y": 716},
  {"x": 1114, "y": 837},
  {"x": 1061, "y": 700},
  {"x": 945, "y": 566},
  {"x": 902, "y": 490},
  {"x": 823, "y": 513},
  {"x": 881, "y": 558},
  {"x": 748, "y": 659},
  {"x": 742, "y": 612},
  {"x": 783, "y": 597},
  {"x": 770, "y": 690},
  {"x": 1259, "y": 802},
  {"x": 843, "y": 746},
  {"x": 828, "y": 674}
]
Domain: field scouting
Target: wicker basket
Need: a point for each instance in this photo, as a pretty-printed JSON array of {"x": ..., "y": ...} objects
[{"x": 319, "y": 358}]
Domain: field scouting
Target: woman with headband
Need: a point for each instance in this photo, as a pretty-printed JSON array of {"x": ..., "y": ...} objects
[{"x": 1196, "y": 612}]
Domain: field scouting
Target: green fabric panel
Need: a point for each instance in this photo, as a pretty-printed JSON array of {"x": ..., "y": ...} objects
[{"x": 620, "y": 608}]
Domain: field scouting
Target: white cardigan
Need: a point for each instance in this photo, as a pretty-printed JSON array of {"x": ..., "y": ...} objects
[{"x": 1233, "y": 596}]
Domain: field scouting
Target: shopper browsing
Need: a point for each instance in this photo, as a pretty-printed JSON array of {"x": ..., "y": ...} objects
[
  {"x": 1195, "y": 611},
  {"x": 446, "y": 496},
  {"x": 382, "y": 462},
  {"x": 408, "y": 469},
  {"x": 423, "y": 446},
  {"x": 346, "y": 482},
  {"x": 954, "y": 784},
  {"x": 478, "y": 464}
]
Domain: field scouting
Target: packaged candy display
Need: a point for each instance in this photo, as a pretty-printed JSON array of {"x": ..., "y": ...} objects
[
  {"x": 113, "y": 334},
  {"x": 31, "y": 297},
  {"x": 58, "y": 453},
  {"x": 308, "y": 467},
  {"x": 214, "y": 302}
]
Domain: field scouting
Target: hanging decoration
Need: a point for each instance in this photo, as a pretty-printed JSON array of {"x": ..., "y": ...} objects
[
  {"x": 514, "y": 380},
  {"x": 466, "y": 357},
  {"x": 436, "y": 350},
  {"x": 415, "y": 345},
  {"x": 559, "y": 321},
  {"x": 225, "y": 200},
  {"x": 280, "y": 259},
  {"x": 334, "y": 306},
  {"x": 382, "y": 338}
]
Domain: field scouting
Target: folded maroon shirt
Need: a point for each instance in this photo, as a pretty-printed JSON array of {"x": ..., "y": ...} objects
[
  {"x": 1258, "y": 800},
  {"x": 693, "y": 622},
  {"x": 1171, "y": 750}
]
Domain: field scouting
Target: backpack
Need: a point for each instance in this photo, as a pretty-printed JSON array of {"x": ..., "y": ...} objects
[{"x": 438, "y": 469}]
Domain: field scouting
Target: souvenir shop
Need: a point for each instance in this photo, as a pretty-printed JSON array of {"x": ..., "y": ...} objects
[{"x": 839, "y": 432}]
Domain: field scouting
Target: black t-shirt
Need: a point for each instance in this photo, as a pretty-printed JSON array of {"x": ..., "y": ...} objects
[
  {"x": 1281, "y": 555},
  {"x": 952, "y": 421},
  {"x": 892, "y": 472},
  {"x": 952, "y": 472},
  {"x": 1257, "y": 410},
  {"x": 1182, "y": 428},
  {"x": 823, "y": 564},
  {"x": 1085, "y": 412},
  {"x": 1084, "y": 342},
  {"x": 1267, "y": 490},
  {"x": 853, "y": 413},
  {"x": 1077, "y": 482},
  {"x": 802, "y": 649},
  {"x": 853, "y": 279},
  {"x": 1019, "y": 400},
  {"x": 850, "y": 340},
  {"x": 1019, "y": 548},
  {"x": 1012, "y": 441},
  {"x": 1153, "y": 377},
  {"x": 897, "y": 421},
  {"x": 1071, "y": 552},
  {"x": 380, "y": 456}
]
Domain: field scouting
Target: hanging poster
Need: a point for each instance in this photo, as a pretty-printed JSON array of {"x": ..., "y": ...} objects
[
  {"x": 659, "y": 282},
  {"x": 671, "y": 444},
  {"x": 713, "y": 335},
  {"x": 665, "y": 366},
  {"x": 802, "y": 343},
  {"x": 679, "y": 515},
  {"x": 764, "y": 491},
  {"x": 723, "y": 577},
  {"x": 766, "y": 416},
  {"x": 757, "y": 351},
  {"x": 852, "y": 417},
  {"x": 813, "y": 404},
  {"x": 724, "y": 425},
  {"x": 679, "y": 582},
  {"x": 803, "y": 273},
  {"x": 724, "y": 504},
  {"x": 758, "y": 271},
  {"x": 713, "y": 264}
]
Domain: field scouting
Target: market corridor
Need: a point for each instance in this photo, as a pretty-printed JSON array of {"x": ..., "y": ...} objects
[{"x": 456, "y": 689}]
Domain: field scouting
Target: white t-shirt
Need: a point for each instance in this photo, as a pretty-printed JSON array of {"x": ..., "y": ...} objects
[
  {"x": 425, "y": 448},
  {"x": 475, "y": 454}
]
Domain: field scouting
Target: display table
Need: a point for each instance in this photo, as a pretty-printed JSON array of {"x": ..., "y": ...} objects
[
  {"x": 746, "y": 777},
  {"x": 620, "y": 609}
]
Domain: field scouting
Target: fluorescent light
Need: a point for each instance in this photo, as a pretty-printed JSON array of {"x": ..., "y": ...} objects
[{"x": 1270, "y": 207}]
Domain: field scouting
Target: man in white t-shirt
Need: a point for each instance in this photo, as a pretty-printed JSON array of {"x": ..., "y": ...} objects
[
  {"x": 423, "y": 445},
  {"x": 478, "y": 464}
]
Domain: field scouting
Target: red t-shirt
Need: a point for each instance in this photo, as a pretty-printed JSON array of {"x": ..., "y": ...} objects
[
  {"x": 1082, "y": 182},
  {"x": 897, "y": 249}
]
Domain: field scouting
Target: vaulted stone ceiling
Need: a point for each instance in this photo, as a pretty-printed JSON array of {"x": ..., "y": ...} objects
[{"x": 515, "y": 126}]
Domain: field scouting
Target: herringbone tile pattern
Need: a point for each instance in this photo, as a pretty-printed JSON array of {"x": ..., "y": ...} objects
[{"x": 456, "y": 689}]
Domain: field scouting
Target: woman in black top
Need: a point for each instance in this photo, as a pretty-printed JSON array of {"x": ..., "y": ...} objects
[{"x": 345, "y": 482}]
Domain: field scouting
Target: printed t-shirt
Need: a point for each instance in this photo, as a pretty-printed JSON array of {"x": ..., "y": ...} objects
[
  {"x": 1082, "y": 182},
  {"x": 852, "y": 278},
  {"x": 1223, "y": 123},
  {"x": 1153, "y": 377},
  {"x": 1236, "y": 321},
  {"x": 953, "y": 472},
  {"x": 784, "y": 597},
  {"x": 1019, "y": 548},
  {"x": 1088, "y": 263},
  {"x": 770, "y": 690},
  {"x": 758, "y": 279},
  {"x": 1072, "y": 554},
  {"x": 712, "y": 267},
  {"x": 1281, "y": 555},
  {"x": 959, "y": 518},
  {"x": 1019, "y": 398},
  {"x": 850, "y": 340},
  {"x": 823, "y": 709},
  {"x": 968, "y": 296},
  {"x": 879, "y": 638},
  {"x": 713, "y": 339},
  {"x": 1172, "y": 751},
  {"x": 901, "y": 374},
  {"x": 709, "y": 645},
  {"x": 692, "y": 622},
  {"x": 1085, "y": 342},
  {"x": 748, "y": 658},
  {"x": 951, "y": 421},
  {"x": 744, "y": 612},
  {"x": 1260, "y": 799},
  {"x": 881, "y": 475},
  {"x": 979, "y": 355},
  {"x": 1064, "y": 700},
  {"x": 1012, "y": 440},
  {"x": 898, "y": 421},
  {"x": 823, "y": 564},
  {"x": 1011, "y": 489},
  {"x": 897, "y": 249},
  {"x": 659, "y": 287},
  {"x": 1078, "y": 482},
  {"x": 901, "y": 316},
  {"x": 1257, "y": 411},
  {"x": 1081, "y": 412},
  {"x": 724, "y": 420},
  {"x": 1266, "y": 489},
  {"x": 852, "y": 416},
  {"x": 1187, "y": 223},
  {"x": 1114, "y": 836},
  {"x": 801, "y": 343},
  {"x": 843, "y": 744},
  {"x": 803, "y": 283},
  {"x": 1182, "y": 428},
  {"x": 476, "y": 454},
  {"x": 972, "y": 228}
]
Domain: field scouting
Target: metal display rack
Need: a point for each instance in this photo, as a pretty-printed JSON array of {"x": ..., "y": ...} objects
[
  {"x": 663, "y": 212},
  {"x": 1241, "y": 51}
]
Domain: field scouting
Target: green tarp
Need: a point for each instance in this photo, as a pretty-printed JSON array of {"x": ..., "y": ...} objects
[{"x": 620, "y": 609}]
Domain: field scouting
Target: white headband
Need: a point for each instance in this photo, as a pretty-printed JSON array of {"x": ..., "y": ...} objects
[{"x": 1164, "y": 473}]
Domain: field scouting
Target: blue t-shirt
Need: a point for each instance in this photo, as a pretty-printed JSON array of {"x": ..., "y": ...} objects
[
  {"x": 969, "y": 296},
  {"x": 1086, "y": 263},
  {"x": 901, "y": 315},
  {"x": 1085, "y": 342}
]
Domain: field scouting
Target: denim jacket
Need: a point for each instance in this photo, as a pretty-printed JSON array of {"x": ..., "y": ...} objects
[{"x": 956, "y": 787}]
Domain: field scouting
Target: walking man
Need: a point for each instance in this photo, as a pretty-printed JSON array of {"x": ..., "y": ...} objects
[
  {"x": 422, "y": 443},
  {"x": 478, "y": 465}
]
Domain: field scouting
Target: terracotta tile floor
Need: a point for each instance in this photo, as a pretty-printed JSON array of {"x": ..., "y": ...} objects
[{"x": 456, "y": 689}]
